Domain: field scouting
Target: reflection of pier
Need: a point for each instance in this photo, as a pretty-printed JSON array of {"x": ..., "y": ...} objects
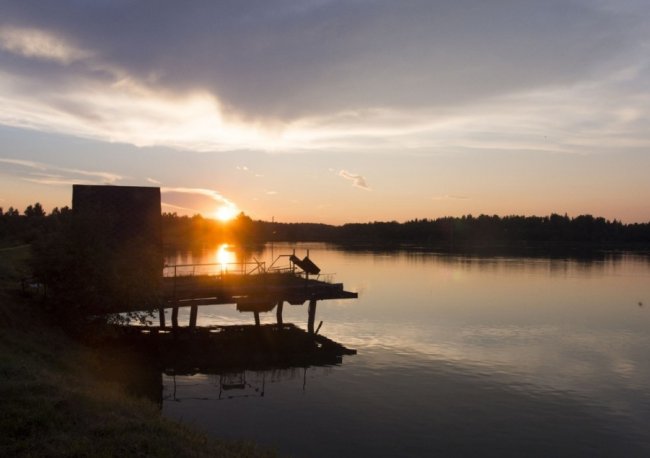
[
  {"x": 251, "y": 286},
  {"x": 138, "y": 356},
  {"x": 237, "y": 346},
  {"x": 245, "y": 383}
]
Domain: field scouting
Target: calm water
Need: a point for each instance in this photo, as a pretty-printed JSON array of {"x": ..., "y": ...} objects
[{"x": 457, "y": 356}]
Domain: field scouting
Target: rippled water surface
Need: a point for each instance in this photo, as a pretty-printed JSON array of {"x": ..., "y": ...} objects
[{"x": 457, "y": 356}]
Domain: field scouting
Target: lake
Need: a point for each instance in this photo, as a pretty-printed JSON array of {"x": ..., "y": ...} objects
[{"x": 457, "y": 356}]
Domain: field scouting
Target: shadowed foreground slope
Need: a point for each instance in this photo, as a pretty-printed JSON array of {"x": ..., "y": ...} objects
[{"x": 53, "y": 401}]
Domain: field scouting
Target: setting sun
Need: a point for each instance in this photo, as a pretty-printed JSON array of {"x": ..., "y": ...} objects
[{"x": 225, "y": 213}]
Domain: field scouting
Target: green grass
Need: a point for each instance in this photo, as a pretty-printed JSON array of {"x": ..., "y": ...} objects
[
  {"x": 54, "y": 402},
  {"x": 13, "y": 264}
]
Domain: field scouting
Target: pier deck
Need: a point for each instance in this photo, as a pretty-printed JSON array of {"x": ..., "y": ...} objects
[
  {"x": 250, "y": 286},
  {"x": 249, "y": 291}
]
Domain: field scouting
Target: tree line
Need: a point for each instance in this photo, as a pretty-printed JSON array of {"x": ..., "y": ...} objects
[
  {"x": 455, "y": 231},
  {"x": 31, "y": 224},
  {"x": 177, "y": 230}
]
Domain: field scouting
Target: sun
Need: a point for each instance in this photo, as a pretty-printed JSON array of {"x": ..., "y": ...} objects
[{"x": 225, "y": 213}]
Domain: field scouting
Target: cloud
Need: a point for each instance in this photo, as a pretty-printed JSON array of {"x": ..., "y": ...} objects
[
  {"x": 178, "y": 207},
  {"x": 246, "y": 169},
  {"x": 328, "y": 56},
  {"x": 29, "y": 164},
  {"x": 337, "y": 75},
  {"x": 188, "y": 196},
  {"x": 39, "y": 44},
  {"x": 153, "y": 181},
  {"x": 449, "y": 197},
  {"x": 215, "y": 195},
  {"x": 57, "y": 181},
  {"x": 358, "y": 181},
  {"x": 66, "y": 176}
]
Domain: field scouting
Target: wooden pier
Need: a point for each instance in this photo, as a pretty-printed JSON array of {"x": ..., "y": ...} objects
[
  {"x": 138, "y": 355},
  {"x": 250, "y": 286}
]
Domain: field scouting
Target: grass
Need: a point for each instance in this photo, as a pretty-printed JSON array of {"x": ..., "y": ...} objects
[
  {"x": 13, "y": 264},
  {"x": 54, "y": 401}
]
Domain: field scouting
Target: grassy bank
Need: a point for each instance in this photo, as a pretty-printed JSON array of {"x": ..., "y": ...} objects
[{"x": 54, "y": 402}]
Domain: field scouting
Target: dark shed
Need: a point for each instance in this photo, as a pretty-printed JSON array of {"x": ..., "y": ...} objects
[
  {"x": 124, "y": 224},
  {"x": 133, "y": 211}
]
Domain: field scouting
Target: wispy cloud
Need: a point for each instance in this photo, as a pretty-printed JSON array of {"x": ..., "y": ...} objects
[
  {"x": 450, "y": 197},
  {"x": 246, "y": 169},
  {"x": 57, "y": 181},
  {"x": 211, "y": 193},
  {"x": 30, "y": 164},
  {"x": 178, "y": 207},
  {"x": 65, "y": 176},
  {"x": 153, "y": 181},
  {"x": 35, "y": 43},
  {"x": 358, "y": 181}
]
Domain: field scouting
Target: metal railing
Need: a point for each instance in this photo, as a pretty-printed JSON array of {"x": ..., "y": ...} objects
[
  {"x": 216, "y": 269},
  {"x": 243, "y": 268}
]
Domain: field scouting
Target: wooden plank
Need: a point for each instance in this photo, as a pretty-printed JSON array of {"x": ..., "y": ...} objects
[{"x": 193, "y": 313}]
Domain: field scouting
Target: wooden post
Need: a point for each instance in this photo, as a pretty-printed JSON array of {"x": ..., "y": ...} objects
[
  {"x": 257, "y": 318},
  {"x": 278, "y": 312},
  {"x": 161, "y": 315},
  {"x": 311, "y": 316},
  {"x": 193, "y": 312},
  {"x": 174, "y": 317}
]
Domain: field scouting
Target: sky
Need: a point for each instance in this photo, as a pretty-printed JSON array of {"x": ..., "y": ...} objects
[{"x": 331, "y": 111}]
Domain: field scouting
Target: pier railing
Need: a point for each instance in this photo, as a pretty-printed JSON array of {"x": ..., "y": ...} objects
[
  {"x": 284, "y": 263},
  {"x": 216, "y": 269}
]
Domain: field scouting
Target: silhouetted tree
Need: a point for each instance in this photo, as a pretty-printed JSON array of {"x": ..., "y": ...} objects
[{"x": 34, "y": 211}]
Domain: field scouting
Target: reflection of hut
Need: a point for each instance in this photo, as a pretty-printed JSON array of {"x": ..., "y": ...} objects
[{"x": 121, "y": 227}]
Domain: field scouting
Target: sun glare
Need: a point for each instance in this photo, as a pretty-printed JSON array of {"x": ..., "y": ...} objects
[
  {"x": 225, "y": 213},
  {"x": 225, "y": 255}
]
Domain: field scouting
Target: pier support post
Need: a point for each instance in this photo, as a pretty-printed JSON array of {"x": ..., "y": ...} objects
[
  {"x": 174, "y": 317},
  {"x": 278, "y": 312},
  {"x": 311, "y": 316},
  {"x": 161, "y": 315},
  {"x": 193, "y": 312},
  {"x": 257, "y": 318}
]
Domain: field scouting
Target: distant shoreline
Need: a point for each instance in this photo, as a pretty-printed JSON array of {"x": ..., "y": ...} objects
[{"x": 467, "y": 231}]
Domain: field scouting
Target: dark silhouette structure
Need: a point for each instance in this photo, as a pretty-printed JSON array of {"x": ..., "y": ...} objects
[
  {"x": 131, "y": 211},
  {"x": 117, "y": 237}
]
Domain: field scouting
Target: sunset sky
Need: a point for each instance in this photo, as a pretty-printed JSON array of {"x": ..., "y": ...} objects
[{"x": 331, "y": 111}]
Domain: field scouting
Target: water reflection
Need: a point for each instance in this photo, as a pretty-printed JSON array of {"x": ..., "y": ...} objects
[
  {"x": 398, "y": 405},
  {"x": 144, "y": 374},
  {"x": 231, "y": 385},
  {"x": 144, "y": 360},
  {"x": 460, "y": 356},
  {"x": 224, "y": 256}
]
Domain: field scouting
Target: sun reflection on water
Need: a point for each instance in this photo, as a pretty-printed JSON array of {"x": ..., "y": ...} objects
[{"x": 225, "y": 256}]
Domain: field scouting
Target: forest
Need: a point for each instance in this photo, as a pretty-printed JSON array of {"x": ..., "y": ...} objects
[{"x": 34, "y": 223}]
